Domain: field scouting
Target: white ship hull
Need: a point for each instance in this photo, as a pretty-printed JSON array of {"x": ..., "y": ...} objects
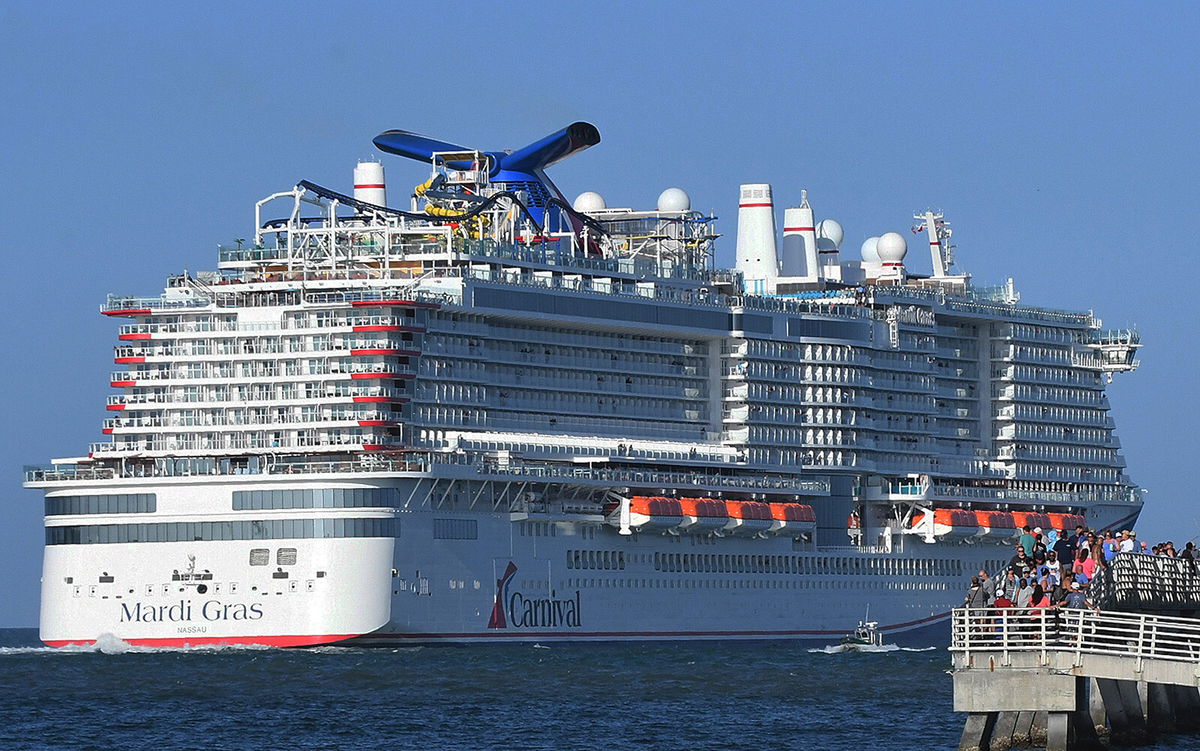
[{"x": 514, "y": 578}]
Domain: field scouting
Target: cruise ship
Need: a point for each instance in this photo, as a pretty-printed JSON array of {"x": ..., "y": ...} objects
[{"x": 486, "y": 414}]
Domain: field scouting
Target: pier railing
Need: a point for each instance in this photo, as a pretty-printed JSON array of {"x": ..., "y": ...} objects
[{"x": 1080, "y": 632}]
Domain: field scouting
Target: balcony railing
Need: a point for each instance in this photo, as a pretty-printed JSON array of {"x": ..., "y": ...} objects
[{"x": 428, "y": 462}]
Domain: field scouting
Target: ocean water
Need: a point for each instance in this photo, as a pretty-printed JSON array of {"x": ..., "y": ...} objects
[{"x": 753, "y": 696}]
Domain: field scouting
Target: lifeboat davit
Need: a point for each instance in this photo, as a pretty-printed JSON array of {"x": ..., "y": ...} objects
[
  {"x": 1066, "y": 522},
  {"x": 1031, "y": 519},
  {"x": 748, "y": 517},
  {"x": 948, "y": 522},
  {"x": 702, "y": 515},
  {"x": 648, "y": 513},
  {"x": 995, "y": 523},
  {"x": 792, "y": 518}
]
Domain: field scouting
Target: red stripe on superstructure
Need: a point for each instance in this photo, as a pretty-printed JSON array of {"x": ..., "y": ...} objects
[
  {"x": 368, "y": 376},
  {"x": 298, "y": 640},
  {"x": 753, "y": 205},
  {"x": 371, "y": 185},
  {"x": 384, "y": 303},
  {"x": 106, "y": 431},
  {"x": 376, "y": 351},
  {"x": 115, "y": 407},
  {"x": 123, "y": 383},
  {"x": 378, "y": 328},
  {"x": 129, "y": 359},
  {"x": 127, "y": 312},
  {"x": 375, "y": 423},
  {"x": 372, "y": 399},
  {"x": 934, "y": 242},
  {"x": 130, "y": 337},
  {"x": 799, "y": 229}
]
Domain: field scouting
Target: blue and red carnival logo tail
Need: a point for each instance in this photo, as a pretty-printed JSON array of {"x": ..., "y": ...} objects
[{"x": 498, "y": 619}]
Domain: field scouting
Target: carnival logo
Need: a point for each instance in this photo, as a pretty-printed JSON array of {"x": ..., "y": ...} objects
[{"x": 531, "y": 612}]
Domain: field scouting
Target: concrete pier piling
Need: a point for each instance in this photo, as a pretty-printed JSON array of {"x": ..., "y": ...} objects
[{"x": 1054, "y": 684}]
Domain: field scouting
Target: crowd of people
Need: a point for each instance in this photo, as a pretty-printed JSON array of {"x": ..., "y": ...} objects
[{"x": 1052, "y": 569}]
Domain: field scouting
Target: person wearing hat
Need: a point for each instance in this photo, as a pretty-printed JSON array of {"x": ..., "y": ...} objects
[
  {"x": 1076, "y": 599},
  {"x": 1126, "y": 542}
]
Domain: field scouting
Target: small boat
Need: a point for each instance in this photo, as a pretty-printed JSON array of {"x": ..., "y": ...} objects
[{"x": 865, "y": 635}]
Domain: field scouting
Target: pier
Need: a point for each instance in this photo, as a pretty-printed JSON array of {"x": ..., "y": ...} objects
[{"x": 1058, "y": 679}]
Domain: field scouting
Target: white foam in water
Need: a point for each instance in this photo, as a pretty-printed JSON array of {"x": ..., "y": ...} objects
[
  {"x": 109, "y": 644},
  {"x": 840, "y": 648}
]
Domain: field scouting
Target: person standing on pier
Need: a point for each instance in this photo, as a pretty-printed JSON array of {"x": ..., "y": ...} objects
[
  {"x": 1027, "y": 541},
  {"x": 1065, "y": 549}
]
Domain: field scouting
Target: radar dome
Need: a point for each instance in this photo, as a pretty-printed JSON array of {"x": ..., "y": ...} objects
[
  {"x": 891, "y": 247},
  {"x": 674, "y": 199},
  {"x": 588, "y": 202},
  {"x": 830, "y": 230},
  {"x": 870, "y": 253}
]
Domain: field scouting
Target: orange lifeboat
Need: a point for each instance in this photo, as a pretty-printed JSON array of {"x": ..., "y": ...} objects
[
  {"x": 1031, "y": 519},
  {"x": 1067, "y": 522},
  {"x": 995, "y": 523},
  {"x": 748, "y": 517},
  {"x": 947, "y": 522},
  {"x": 701, "y": 515},
  {"x": 792, "y": 518},
  {"x": 648, "y": 513}
]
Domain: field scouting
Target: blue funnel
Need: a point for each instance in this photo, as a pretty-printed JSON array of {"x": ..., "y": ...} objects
[{"x": 519, "y": 170}]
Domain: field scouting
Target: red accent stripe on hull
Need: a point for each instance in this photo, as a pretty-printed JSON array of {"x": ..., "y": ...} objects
[
  {"x": 129, "y": 359},
  {"x": 298, "y": 640},
  {"x": 127, "y": 312},
  {"x": 129, "y": 337}
]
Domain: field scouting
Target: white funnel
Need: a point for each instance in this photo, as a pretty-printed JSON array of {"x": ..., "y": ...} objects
[
  {"x": 756, "y": 257},
  {"x": 368, "y": 183},
  {"x": 799, "y": 240}
]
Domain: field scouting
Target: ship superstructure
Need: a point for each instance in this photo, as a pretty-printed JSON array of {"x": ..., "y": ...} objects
[{"x": 493, "y": 414}]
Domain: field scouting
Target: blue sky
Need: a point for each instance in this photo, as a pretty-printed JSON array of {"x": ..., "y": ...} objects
[{"x": 1060, "y": 139}]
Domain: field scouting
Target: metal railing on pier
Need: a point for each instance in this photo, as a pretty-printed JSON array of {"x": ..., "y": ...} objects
[{"x": 1074, "y": 631}]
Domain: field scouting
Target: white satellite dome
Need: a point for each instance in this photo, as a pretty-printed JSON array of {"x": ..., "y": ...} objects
[
  {"x": 588, "y": 202},
  {"x": 674, "y": 199},
  {"x": 891, "y": 247},
  {"x": 870, "y": 253},
  {"x": 831, "y": 230}
]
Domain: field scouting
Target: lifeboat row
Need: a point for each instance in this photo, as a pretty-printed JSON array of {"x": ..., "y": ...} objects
[
  {"x": 957, "y": 522},
  {"x": 704, "y": 515}
]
